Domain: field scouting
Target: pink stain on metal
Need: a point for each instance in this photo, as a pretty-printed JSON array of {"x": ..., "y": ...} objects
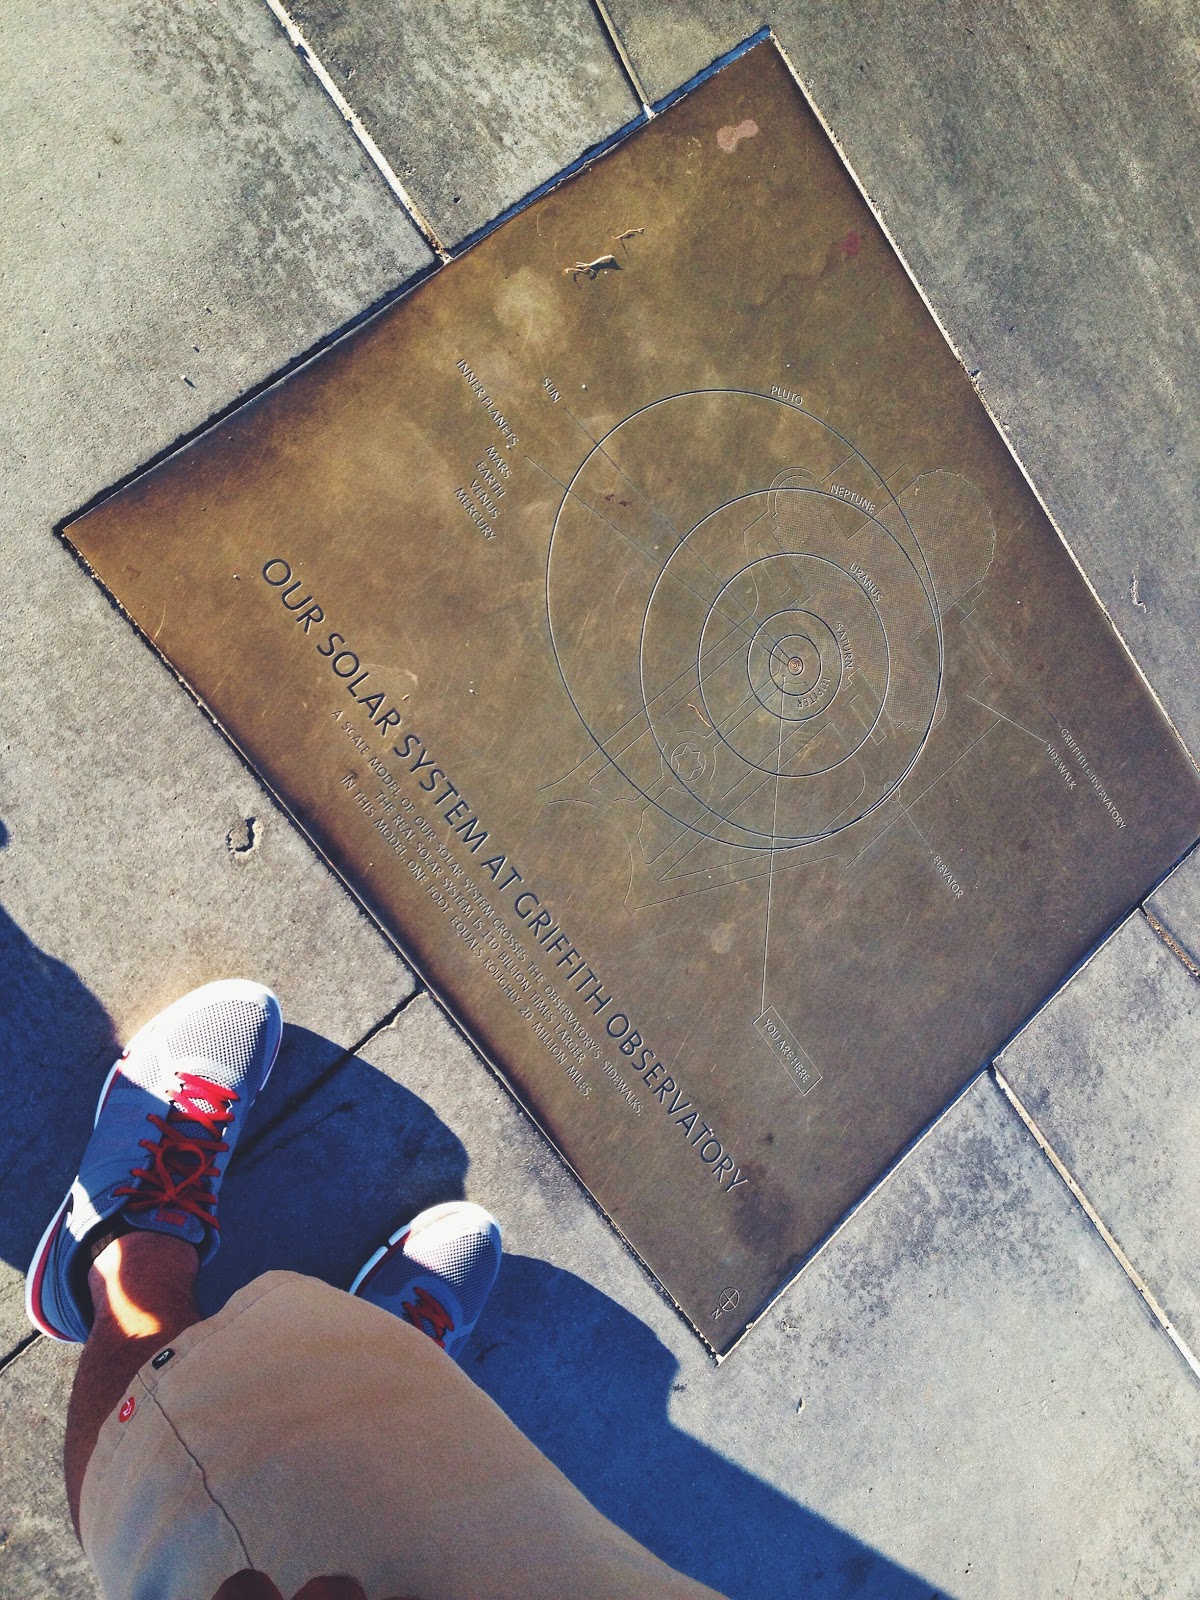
[
  {"x": 851, "y": 244},
  {"x": 730, "y": 137}
]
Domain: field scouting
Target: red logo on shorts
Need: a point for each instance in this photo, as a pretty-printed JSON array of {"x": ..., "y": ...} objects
[{"x": 127, "y": 1410}]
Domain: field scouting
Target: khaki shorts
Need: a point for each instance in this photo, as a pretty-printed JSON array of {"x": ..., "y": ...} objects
[{"x": 302, "y": 1432}]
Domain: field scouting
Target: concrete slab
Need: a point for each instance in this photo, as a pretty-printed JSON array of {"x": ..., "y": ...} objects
[
  {"x": 39, "y": 1556},
  {"x": 473, "y": 106},
  {"x": 1030, "y": 165},
  {"x": 1107, "y": 1070},
  {"x": 962, "y": 1395},
  {"x": 668, "y": 44},
  {"x": 170, "y": 183},
  {"x": 185, "y": 214},
  {"x": 1176, "y": 905}
]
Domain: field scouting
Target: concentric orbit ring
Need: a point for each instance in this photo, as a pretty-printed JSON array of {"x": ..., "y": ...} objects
[
  {"x": 771, "y": 771},
  {"x": 744, "y": 835},
  {"x": 787, "y": 663},
  {"x": 793, "y": 657}
]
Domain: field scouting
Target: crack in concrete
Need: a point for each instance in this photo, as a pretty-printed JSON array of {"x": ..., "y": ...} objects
[
  {"x": 1139, "y": 1283},
  {"x": 19, "y": 1349},
  {"x": 253, "y": 1139}
]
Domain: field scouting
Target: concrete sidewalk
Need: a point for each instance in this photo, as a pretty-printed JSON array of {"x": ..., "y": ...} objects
[{"x": 985, "y": 1385}]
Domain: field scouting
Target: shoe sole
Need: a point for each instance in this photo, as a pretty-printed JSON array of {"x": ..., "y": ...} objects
[
  {"x": 230, "y": 988},
  {"x": 425, "y": 1218}
]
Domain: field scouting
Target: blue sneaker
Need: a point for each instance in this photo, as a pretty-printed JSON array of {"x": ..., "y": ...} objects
[
  {"x": 436, "y": 1272},
  {"x": 168, "y": 1118}
]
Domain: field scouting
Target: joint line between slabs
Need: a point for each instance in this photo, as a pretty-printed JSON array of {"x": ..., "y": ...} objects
[
  {"x": 300, "y": 1097},
  {"x": 623, "y": 56},
  {"x": 1172, "y": 944},
  {"x": 19, "y": 1349},
  {"x": 1094, "y": 1217},
  {"x": 354, "y": 122}
]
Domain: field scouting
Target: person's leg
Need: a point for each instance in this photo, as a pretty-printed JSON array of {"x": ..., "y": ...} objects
[
  {"x": 142, "y": 1292},
  {"x": 303, "y": 1431},
  {"x": 145, "y": 1197},
  {"x": 314, "y": 1428}
]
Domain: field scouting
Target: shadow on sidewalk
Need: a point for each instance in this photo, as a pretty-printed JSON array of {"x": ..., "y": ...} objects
[
  {"x": 56, "y": 1044},
  {"x": 322, "y": 1204},
  {"x": 587, "y": 1381},
  {"x": 591, "y": 1386}
]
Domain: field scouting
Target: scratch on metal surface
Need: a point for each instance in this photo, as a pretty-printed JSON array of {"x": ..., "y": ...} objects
[{"x": 591, "y": 269}]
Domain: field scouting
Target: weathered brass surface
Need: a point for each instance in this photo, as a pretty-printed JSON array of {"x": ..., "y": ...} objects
[{"x": 669, "y": 652}]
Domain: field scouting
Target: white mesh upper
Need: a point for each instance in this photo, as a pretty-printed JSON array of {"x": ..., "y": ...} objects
[
  {"x": 464, "y": 1257},
  {"x": 228, "y": 1037}
]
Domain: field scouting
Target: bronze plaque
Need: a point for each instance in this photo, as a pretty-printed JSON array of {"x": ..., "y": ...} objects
[{"x": 647, "y": 621}]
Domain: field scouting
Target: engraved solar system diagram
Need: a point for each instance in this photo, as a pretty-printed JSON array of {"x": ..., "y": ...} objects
[
  {"x": 750, "y": 627},
  {"x": 646, "y": 620}
]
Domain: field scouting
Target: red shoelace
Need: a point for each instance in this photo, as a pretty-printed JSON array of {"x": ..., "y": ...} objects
[
  {"x": 182, "y": 1160},
  {"x": 429, "y": 1315}
]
